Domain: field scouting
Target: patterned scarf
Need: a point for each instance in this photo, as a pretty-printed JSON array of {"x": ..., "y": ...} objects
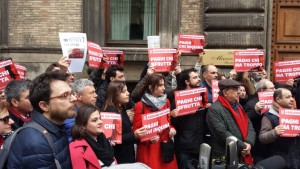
[
  {"x": 154, "y": 103},
  {"x": 241, "y": 119}
]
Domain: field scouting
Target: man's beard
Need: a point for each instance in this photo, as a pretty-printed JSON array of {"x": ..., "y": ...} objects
[{"x": 256, "y": 78}]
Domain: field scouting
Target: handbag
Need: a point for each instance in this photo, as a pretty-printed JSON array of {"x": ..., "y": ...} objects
[{"x": 167, "y": 150}]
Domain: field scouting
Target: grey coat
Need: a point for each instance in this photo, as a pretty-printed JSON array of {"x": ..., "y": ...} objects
[{"x": 222, "y": 124}]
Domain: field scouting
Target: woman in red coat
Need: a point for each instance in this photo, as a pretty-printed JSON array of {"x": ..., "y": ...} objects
[
  {"x": 90, "y": 148},
  {"x": 153, "y": 99}
]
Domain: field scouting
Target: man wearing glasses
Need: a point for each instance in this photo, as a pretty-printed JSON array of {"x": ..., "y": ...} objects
[{"x": 53, "y": 102}]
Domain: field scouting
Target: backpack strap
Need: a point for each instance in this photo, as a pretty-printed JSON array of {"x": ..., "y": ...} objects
[{"x": 40, "y": 128}]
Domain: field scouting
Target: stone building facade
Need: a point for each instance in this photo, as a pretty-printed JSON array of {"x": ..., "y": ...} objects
[{"x": 29, "y": 29}]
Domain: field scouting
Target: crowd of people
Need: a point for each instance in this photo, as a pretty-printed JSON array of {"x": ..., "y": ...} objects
[{"x": 69, "y": 110}]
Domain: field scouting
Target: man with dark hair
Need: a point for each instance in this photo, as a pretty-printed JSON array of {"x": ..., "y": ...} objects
[
  {"x": 114, "y": 72},
  {"x": 53, "y": 102},
  {"x": 17, "y": 95},
  {"x": 209, "y": 73},
  {"x": 271, "y": 130},
  {"x": 226, "y": 117},
  {"x": 190, "y": 128}
]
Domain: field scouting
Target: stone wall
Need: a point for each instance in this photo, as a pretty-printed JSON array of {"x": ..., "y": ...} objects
[
  {"x": 191, "y": 13},
  {"x": 36, "y": 23}
]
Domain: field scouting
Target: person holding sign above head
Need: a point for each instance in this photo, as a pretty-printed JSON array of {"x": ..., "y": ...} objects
[
  {"x": 90, "y": 148},
  {"x": 270, "y": 131},
  {"x": 191, "y": 127},
  {"x": 154, "y": 100},
  {"x": 116, "y": 100},
  {"x": 113, "y": 73}
]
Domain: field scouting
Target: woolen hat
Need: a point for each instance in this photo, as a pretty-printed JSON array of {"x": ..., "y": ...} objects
[{"x": 226, "y": 83}]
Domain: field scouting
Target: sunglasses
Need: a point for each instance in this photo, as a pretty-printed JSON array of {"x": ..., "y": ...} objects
[{"x": 5, "y": 119}]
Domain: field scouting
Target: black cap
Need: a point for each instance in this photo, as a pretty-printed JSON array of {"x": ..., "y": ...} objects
[{"x": 226, "y": 83}]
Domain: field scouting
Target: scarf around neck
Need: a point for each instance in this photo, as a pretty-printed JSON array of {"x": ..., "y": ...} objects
[
  {"x": 23, "y": 119},
  {"x": 101, "y": 148},
  {"x": 241, "y": 119},
  {"x": 154, "y": 103}
]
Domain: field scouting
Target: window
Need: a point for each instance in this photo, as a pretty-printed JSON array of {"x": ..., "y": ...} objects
[{"x": 131, "y": 20}]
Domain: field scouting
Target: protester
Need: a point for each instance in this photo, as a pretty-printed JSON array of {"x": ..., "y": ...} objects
[
  {"x": 85, "y": 94},
  {"x": 209, "y": 73},
  {"x": 154, "y": 99},
  {"x": 62, "y": 65},
  {"x": 243, "y": 78},
  {"x": 254, "y": 108},
  {"x": 52, "y": 101},
  {"x": 170, "y": 85},
  {"x": 90, "y": 148},
  {"x": 5, "y": 122},
  {"x": 226, "y": 117},
  {"x": 116, "y": 100},
  {"x": 114, "y": 72},
  {"x": 190, "y": 128},
  {"x": 271, "y": 130},
  {"x": 243, "y": 97},
  {"x": 17, "y": 95}
]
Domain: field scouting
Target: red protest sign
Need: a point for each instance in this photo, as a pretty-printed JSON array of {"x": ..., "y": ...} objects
[
  {"x": 188, "y": 101},
  {"x": 112, "y": 126},
  {"x": 191, "y": 43},
  {"x": 290, "y": 118},
  {"x": 267, "y": 97},
  {"x": 114, "y": 57},
  {"x": 163, "y": 60},
  {"x": 286, "y": 70},
  {"x": 154, "y": 123},
  {"x": 8, "y": 72},
  {"x": 95, "y": 54},
  {"x": 22, "y": 70},
  {"x": 248, "y": 60},
  {"x": 215, "y": 90}
]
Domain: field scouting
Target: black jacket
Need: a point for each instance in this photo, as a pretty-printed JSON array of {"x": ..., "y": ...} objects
[
  {"x": 259, "y": 149},
  {"x": 101, "y": 92},
  {"x": 190, "y": 131},
  {"x": 124, "y": 153}
]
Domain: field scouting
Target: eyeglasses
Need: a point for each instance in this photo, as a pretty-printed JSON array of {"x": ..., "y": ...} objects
[
  {"x": 66, "y": 96},
  {"x": 5, "y": 119}
]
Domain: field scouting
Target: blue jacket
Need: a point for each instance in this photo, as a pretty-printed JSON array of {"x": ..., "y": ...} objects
[{"x": 30, "y": 149}]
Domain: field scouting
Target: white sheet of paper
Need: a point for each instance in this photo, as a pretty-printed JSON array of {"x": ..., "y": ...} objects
[{"x": 74, "y": 46}]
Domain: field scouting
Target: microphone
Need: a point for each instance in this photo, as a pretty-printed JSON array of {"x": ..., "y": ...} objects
[
  {"x": 231, "y": 153},
  {"x": 205, "y": 156},
  {"x": 273, "y": 162}
]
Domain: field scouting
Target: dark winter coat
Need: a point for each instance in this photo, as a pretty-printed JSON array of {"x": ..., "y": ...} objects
[{"x": 31, "y": 150}]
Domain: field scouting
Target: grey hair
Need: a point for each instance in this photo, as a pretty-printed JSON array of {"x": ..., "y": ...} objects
[
  {"x": 262, "y": 85},
  {"x": 79, "y": 85},
  {"x": 15, "y": 88}
]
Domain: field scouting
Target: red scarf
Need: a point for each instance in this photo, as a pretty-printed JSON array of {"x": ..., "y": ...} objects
[
  {"x": 241, "y": 119},
  {"x": 19, "y": 115}
]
